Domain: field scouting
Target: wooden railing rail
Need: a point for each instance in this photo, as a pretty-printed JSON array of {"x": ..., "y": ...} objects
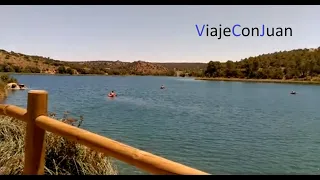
[{"x": 38, "y": 123}]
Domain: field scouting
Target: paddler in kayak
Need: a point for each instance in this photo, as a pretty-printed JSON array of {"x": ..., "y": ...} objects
[
  {"x": 112, "y": 94},
  {"x": 162, "y": 87}
]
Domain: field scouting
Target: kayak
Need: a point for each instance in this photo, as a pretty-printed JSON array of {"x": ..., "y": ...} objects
[{"x": 109, "y": 95}]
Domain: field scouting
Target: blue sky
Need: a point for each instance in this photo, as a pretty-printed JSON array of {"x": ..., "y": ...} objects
[{"x": 151, "y": 33}]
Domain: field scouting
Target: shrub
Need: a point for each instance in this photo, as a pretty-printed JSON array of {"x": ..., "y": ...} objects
[
  {"x": 63, "y": 157},
  {"x": 8, "y": 79}
]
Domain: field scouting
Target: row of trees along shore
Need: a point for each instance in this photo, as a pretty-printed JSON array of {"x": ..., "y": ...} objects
[
  {"x": 295, "y": 64},
  {"x": 77, "y": 69}
]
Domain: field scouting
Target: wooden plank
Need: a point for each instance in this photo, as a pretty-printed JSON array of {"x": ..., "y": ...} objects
[{"x": 141, "y": 159}]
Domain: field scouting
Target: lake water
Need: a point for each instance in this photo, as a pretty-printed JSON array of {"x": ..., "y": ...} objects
[{"x": 217, "y": 127}]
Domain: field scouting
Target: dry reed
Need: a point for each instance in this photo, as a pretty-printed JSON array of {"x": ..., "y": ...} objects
[{"x": 63, "y": 157}]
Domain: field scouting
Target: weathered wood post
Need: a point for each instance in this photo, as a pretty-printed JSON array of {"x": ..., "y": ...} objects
[{"x": 35, "y": 136}]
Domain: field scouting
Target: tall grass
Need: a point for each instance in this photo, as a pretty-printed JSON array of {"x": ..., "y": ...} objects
[{"x": 63, "y": 157}]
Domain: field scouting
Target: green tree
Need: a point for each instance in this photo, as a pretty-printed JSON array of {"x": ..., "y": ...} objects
[{"x": 61, "y": 70}]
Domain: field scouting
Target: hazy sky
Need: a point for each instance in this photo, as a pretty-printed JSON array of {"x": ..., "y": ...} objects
[{"x": 151, "y": 33}]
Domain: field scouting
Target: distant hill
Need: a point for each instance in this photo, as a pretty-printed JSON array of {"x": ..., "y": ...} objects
[
  {"x": 295, "y": 64},
  {"x": 184, "y": 66},
  {"x": 22, "y": 63}
]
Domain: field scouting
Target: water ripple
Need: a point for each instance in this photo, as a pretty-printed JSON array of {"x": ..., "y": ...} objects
[{"x": 218, "y": 127}]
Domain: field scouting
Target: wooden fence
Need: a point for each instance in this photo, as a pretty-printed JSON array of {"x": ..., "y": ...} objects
[{"x": 38, "y": 123}]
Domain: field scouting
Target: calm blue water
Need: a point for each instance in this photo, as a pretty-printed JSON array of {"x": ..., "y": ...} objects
[{"x": 217, "y": 127}]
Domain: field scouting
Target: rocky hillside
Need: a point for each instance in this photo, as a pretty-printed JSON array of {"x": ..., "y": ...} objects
[
  {"x": 141, "y": 68},
  {"x": 22, "y": 63},
  {"x": 17, "y": 62}
]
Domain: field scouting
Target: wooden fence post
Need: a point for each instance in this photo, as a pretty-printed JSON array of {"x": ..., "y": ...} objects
[{"x": 35, "y": 136}]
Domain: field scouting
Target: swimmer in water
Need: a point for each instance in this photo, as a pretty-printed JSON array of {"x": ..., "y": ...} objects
[{"x": 112, "y": 94}]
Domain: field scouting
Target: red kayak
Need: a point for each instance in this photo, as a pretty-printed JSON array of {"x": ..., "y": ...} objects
[{"x": 109, "y": 95}]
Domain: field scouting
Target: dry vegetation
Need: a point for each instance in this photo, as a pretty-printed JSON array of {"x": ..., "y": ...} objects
[
  {"x": 22, "y": 63},
  {"x": 63, "y": 157}
]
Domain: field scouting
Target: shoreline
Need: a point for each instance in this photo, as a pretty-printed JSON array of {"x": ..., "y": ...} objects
[
  {"x": 46, "y": 74},
  {"x": 261, "y": 80},
  {"x": 278, "y": 81}
]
